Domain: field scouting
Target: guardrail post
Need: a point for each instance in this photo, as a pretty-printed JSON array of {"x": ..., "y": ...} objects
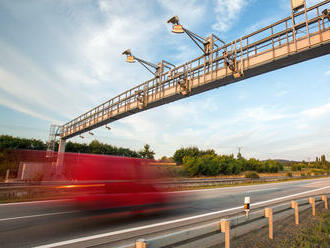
[
  {"x": 141, "y": 243},
  {"x": 312, "y": 201},
  {"x": 7, "y": 176},
  {"x": 225, "y": 228},
  {"x": 269, "y": 215},
  {"x": 325, "y": 199},
  {"x": 294, "y": 205}
]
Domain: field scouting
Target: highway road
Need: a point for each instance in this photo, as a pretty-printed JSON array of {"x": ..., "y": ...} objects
[{"x": 56, "y": 223}]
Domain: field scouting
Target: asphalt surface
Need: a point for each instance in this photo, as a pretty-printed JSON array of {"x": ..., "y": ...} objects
[{"x": 47, "y": 223}]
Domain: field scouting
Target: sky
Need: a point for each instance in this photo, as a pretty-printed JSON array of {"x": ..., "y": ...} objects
[{"x": 61, "y": 58}]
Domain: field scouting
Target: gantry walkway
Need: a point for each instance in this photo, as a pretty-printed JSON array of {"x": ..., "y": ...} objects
[{"x": 283, "y": 43}]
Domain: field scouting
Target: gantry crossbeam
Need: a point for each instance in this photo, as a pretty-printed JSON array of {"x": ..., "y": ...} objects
[{"x": 283, "y": 43}]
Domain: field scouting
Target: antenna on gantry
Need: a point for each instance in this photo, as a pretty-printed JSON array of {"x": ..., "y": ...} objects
[
  {"x": 159, "y": 68},
  {"x": 205, "y": 44}
]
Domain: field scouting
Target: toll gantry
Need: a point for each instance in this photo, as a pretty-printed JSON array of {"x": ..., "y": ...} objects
[{"x": 302, "y": 36}]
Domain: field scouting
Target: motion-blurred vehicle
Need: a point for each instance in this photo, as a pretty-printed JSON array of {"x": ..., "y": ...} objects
[{"x": 101, "y": 181}]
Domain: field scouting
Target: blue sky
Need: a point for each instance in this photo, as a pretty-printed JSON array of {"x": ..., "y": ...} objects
[{"x": 61, "y": 58}]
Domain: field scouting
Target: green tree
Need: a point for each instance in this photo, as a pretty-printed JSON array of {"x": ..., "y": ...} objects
[
  {"x": 183, "y": 152},
  {"x": 323, "y": 161},
  {"x": 147, "y": 152},
  {"x": 192, "y": 151}
]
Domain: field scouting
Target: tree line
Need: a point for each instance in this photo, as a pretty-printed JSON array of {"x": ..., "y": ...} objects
[
  {"x": 95, "y": 147},
  {"x": 320, "y": 163},
  {"x": 9, "y": 158},
  {"x": 206, "y": 162}
]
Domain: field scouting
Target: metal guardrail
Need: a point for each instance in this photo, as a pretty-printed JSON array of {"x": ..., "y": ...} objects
[
  {"x": 47, "y": 190},
  {"x": 210, "y": 235},
  {"x": 179, "y": 182},
  {"x": 277, "y": 35}
]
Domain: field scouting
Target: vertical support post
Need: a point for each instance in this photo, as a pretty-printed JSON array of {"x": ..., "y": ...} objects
[
  {"x": 242, "y": 60},
  {"x": 190, "y": 79},
  {"x": 294, "y": 205},
  {"x": 307, "y": 28},
  {"x": 269, "y": 215},
  {"x": 287, "y": 36},
  {"x": 293, "y": 28},
  {"x": 140, "y": 243},
  {"x": 272, "y": 30},
  {"x": 60, "y": 157},
  {"x": 247, "y": 52},
  {"x": 211, "y": 40},
  {"x": 312, "y": 201},
  {"x": 319, "y": 24},
  {"x": 23, "y": 171},
  {"x": 7, "y": 176},
  {"x": 235, "y": 57},
  {"x": 225, "y": 228},
  {"x": 325, "y": 199}
]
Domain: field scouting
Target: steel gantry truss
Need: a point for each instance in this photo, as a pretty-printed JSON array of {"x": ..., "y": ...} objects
[{"x": 302, "y": 36}]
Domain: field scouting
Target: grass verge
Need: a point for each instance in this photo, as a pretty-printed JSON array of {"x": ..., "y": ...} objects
[
  {"x": 315, "y": 235},
  {"x": 313, "y": 231}
]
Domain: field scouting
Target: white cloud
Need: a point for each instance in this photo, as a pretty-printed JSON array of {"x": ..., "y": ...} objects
[
  {"x": 320, "y": 111},
  {"x": 227, "y": 12},
  {"x": 127, "y": 24},
  {"x": 262, "y": 114},
  {"x": 76, "y": 75},
  {"x": 190, "y": 12},
  {"x": 16, "y": 105},
  {"x": 281, "y": 93},
  {"x": 33, "y": 89},
  {"x": 327, "y": 73}
]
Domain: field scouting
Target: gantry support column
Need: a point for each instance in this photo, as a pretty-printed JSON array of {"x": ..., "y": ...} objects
[{"x": 60, "y": 158}]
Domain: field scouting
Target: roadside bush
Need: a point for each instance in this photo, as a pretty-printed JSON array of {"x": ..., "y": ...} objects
[
  {"x": 302, "y": 174},
  {"x": 198, "y": 162},
  {"x": 207, "y": 165},
  {"x": 289, "y": 174},
  {"x": 251, "y": 174},
  {"x": 318, "y": 171},
  {"x": 297, "y": 167}
]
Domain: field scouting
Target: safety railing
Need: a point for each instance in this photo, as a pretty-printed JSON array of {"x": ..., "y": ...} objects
[
  {"x": 232, "y": 57},
  {"x": 220, "y": 232}
]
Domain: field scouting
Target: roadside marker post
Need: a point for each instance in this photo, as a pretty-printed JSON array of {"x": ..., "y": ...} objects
[
  {"x": 225, "y": 228},
  {"x": 247, "y": 205},
  {"x": 269, "y": 215},
  {"x": 325, "y": 199},
  {"x": 312, "y": 201},
  {"x": 140, "y": 243},
  {"x": 294, "y": 205}
]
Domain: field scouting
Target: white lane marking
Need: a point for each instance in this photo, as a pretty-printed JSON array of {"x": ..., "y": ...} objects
[
  {"x": 67, "y": 242},
  {"x": 284, "y": 197},
  {"x": 31, "y": 202},
  {"x": 258, "y": 185},
  {"x": 36, "y": 215},
  {"x": 259, "y": 190}
]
